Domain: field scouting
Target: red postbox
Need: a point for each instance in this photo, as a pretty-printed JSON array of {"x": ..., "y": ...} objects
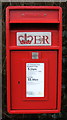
[{"x": 34, "y": 59}]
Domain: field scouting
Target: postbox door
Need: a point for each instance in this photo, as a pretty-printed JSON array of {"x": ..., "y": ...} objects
[{"x": 33, "y": 94}]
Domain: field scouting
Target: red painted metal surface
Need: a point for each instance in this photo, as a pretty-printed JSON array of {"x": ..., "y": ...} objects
[
  {"x": 38, "y": 15},
  {"x": 18, "y": 73},
  {"x": 25, "y": 19}
]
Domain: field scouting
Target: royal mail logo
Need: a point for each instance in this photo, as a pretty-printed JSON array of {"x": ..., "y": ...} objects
[{"x": 33, "y": 38}]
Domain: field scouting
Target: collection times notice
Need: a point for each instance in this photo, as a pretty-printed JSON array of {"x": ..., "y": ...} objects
[{"x": 34, "y": 79}]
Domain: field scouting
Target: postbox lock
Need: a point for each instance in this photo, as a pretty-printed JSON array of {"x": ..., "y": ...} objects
[
  {"x": 45, "y": 14},
  {"x": 34, "y": 55}
]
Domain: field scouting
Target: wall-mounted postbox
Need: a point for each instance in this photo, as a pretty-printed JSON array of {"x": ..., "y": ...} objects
[{"x": 34, "y": 57}]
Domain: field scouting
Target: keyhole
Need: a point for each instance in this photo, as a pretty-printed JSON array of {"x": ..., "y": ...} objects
[{"x": 18, "y": 82}]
